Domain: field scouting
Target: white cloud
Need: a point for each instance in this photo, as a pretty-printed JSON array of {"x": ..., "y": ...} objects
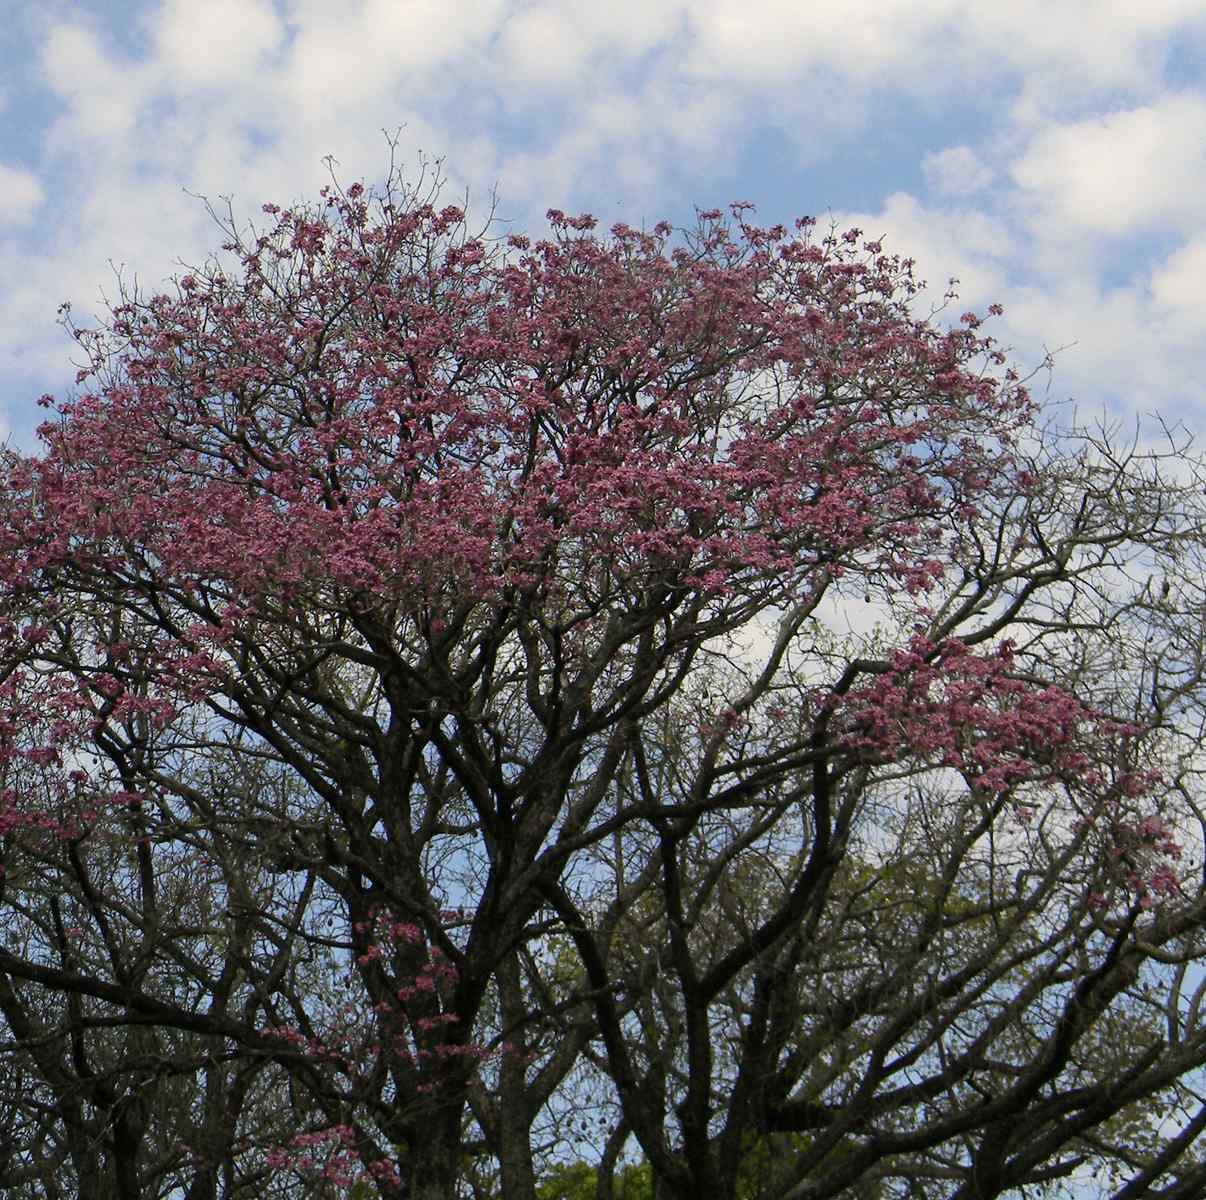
[
  {"x": 102, "y": 97},
  {"x": 933, "y": 45},
  {"x": 551, "y": 45},
  {"x": 956, "y": 171},
  {"x": 354, "y": 56},
  {"x": 1069, "y": 49},
  {"x": 783, "y": 38},
  {"x": 21, "y": 194},
  {"x": 962, "y": 243},
  {"x": 1118, "y": 350},
  {"x": 1178, "y": 285},
  {"x": 1134, "y": 346},
  {"x": 543, "y": 46},
  {"x": 216, "y": 43},
  {"x": 1127, "y": 172},
  {"x": 416, "y": 36}
]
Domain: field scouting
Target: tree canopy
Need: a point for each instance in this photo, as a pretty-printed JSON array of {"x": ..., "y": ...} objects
[{"x": 655, "y": 710}]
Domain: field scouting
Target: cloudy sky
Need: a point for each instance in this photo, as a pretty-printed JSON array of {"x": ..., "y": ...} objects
[{"x": 1051, "y": 156}]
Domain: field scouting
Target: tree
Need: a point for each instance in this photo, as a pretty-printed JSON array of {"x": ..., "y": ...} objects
[{"x": 422, "y": 691}]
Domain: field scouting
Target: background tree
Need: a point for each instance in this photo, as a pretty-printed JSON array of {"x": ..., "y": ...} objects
[{"x": 395, "y": 607}]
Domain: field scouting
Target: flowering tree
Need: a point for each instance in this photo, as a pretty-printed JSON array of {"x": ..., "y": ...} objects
[{"x": 398, "y": 624}]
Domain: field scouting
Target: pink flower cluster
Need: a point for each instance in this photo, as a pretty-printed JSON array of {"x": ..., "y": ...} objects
[
  {"x": 971, "y": 712},
  {"x": 391, "y": 409},
  {"x": 333, "y": 1154},
  {"x": 944, "y": 705}
]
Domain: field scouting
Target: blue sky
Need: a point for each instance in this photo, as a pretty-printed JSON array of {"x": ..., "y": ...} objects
[{"x": 1050, "y": 155}]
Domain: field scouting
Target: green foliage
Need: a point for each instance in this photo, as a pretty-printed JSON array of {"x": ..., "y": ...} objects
[
  {"x": 765, "y": 1173},
  {"x": 579, "y": 1181}
]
